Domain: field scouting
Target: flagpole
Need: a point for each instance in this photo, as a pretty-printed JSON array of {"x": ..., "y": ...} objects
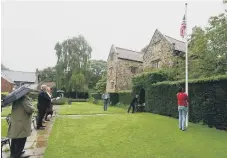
[{"x": 186, "y": 60}]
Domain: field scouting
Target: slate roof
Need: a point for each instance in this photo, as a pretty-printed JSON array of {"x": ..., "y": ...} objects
[
  {"x": 129, "y": 54},
  {"x": 7, "y": 78},
  {"x": 179, "y": 45},
  {"x": 20, "y": 76}
]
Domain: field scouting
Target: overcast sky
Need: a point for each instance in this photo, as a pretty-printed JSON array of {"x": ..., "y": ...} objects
[{"x": 30, "y": 30}]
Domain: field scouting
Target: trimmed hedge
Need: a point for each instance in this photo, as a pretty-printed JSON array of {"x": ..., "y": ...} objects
[
  {"x": 4, "y": 94},
  {"x": 97, "y": 96},
  {"x": 142, "y": 80},
  {"x": 207, "y": 100},
  {"x": 33, "y": 95},
  {"x": 122, "y": 97},
  {"x": 76, "y": 95},
  {"x": 60, "y": 101}
]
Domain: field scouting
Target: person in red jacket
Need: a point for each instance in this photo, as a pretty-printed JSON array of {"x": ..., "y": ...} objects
[{"x": 182, "y": 99}]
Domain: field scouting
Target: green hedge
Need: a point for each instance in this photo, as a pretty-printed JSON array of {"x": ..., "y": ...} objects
[
  {"x": 34, "y": 95},
  {"x": 97, "y": 96},
  {"x": 122, "y": 97},
  {"x": 142, "y": 80},
  {"x": 60, "y": 101},
  {"x": 207, "y": 100},
  {"x": 4, "y": 94}
]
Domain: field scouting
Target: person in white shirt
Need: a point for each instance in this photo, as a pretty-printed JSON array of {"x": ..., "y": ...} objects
[{"x": 105, "y": 98}]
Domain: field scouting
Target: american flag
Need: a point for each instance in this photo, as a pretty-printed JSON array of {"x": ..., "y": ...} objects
[{"x": 183, "y": 27}]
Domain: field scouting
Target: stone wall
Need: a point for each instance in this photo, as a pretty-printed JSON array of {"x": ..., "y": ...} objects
[
  {"x": 111, "y": 75},
  {"x": 124, "y": 74},
  {"x": 159, "y": 50}
]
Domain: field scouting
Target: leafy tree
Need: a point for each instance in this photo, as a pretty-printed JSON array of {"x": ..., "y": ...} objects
[
  {"x": 97, "y": 69},
  {"x": 48, "y": 74},
  {"x": 207, "y": 51},
  {"x": 73, "y": 62},
  {"x": 101, "y": 85}
]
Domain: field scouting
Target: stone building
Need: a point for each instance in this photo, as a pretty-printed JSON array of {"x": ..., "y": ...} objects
[
  {"x": 122, "y": 65},
  {"x": 160, "y": 50}
]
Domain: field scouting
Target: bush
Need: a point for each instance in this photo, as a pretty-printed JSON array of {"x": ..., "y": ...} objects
[
  {"x": 122, "y": 97},
  {"x": 60, "y": 101},
  {"x": 4, "y": 94},
  {"x": 96, "y": 96},
  {"x": 33, "y": 95},
  {"x": 207, "y": 100},
  {"x": 76, "y": 95},
  {"x": 77, "y": 100},
  {"x": 142, "y": 80}
]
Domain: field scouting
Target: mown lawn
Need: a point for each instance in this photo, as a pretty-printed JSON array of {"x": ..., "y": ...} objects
[
  {"x": 4, "y": 128},
  {"x": 87, "y": 108},
  {"x": 141, "y": 135},
  {"x": 6, "y": 111}
]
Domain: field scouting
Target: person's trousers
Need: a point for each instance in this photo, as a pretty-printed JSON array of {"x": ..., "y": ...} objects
[
  {"x": 48, "y": 113},
  {"x": 182, "y": 116},
  {"x": 17, "y": 146},
  {"x": 105, "y": 105},
  {"x": 133, "y": 108},
  {"x": 41, "y": 114}
]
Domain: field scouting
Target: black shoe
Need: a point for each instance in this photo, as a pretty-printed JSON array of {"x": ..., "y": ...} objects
[
  {"x": 40, "y": 128},
  {"x": 22, "y": 152}
]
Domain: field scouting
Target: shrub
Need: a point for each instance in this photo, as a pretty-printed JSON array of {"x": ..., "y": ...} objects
[
  {"x": 77, "y": 100},
  {"x": 33, "y": 95},
  {"x": 60, "y": 101},
  {"x": 96, "y": 95},
  {"x": 4, "y": 94},
  {"x": 207, "y": 100}
]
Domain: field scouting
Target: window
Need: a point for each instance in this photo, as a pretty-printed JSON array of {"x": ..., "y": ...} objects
[
  {"x": 133, "y": 69},
  {"x": 155, "y": 64},
  {"x": 112, "y": 85}
]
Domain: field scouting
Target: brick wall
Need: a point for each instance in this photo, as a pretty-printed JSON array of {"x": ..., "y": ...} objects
[{"x": 6, "y": 86}]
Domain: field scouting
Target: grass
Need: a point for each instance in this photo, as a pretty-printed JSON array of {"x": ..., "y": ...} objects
[
  {"x": 87, "y": 108},
  {"x": 4, "y": 128},
  {"x": 7, "y": 110},
  {"x": 133, "y": 135}
]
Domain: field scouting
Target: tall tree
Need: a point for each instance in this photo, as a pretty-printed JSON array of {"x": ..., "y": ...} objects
[
  {"x": 97, "y": 69},
  {"x": 100, "y": 86},
  {"x": 48, "y": 74},
  {"x": 73, "y": 62}
]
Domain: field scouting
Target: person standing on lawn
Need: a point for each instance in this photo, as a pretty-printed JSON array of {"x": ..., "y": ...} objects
[
  {"x": 133, "y": 104},
  {"x": 44, "y": 101},
  {"x": 182, "y": 99},
  {"x": 105, "y": 98},
  {"x": 20, "y": 126}
]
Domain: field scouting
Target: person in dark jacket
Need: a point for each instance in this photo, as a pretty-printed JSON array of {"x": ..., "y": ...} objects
[
  {"x": 50, "y": 109},
  {"x": 133, "y": 104},
  {"x": 43, "y": 104}
]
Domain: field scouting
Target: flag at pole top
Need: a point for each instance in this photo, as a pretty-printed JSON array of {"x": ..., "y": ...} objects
[{"x": 183, "y": 27}]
